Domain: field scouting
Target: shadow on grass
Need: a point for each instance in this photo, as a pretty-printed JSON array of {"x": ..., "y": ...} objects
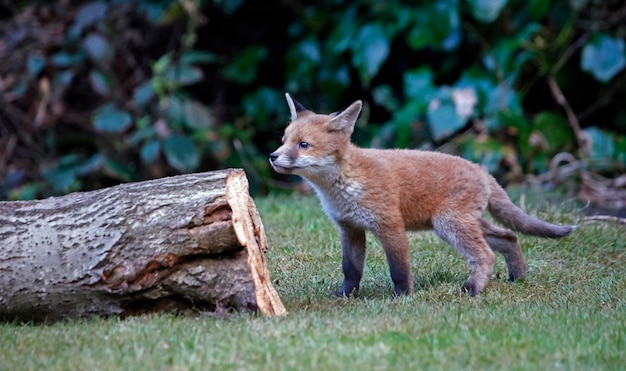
[
  {"x": 436, "y": 278},
  {"x": 423, "y": 282}
]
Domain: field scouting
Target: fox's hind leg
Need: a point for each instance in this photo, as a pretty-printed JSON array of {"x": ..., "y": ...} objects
[
  {"x": 505, "y": 242},
  {"x": 464, "y": 233}
]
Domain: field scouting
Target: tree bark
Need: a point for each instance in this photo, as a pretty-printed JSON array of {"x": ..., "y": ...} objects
[{"x": 186, "y": 242}]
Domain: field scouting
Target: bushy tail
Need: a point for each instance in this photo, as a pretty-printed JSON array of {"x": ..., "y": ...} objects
[{"x": 507, "y": 213}]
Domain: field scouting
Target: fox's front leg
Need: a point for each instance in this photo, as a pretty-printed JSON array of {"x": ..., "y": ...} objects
[{"x": 353, "y": 246}]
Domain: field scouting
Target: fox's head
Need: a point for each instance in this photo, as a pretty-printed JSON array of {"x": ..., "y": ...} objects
[{"x": 314, "y": 144}]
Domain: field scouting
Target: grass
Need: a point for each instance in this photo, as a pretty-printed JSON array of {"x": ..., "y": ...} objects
[{"x": 570, "y": 313}]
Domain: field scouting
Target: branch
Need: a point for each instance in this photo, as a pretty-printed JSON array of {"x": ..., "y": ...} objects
[{"x": 581, "y": 138}]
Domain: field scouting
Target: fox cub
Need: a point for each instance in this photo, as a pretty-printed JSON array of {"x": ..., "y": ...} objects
[{"x": 390, "y": 191}]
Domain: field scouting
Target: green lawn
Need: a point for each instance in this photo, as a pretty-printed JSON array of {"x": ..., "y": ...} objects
[{"x": 570, "y": 313}]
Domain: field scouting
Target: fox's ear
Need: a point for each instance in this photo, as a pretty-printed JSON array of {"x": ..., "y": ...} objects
[
  {"x": 346, "y": 118},
  {"x": 294, "y": 106}
]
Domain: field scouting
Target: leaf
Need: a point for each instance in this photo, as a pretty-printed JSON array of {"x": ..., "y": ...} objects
[
  {"x": 21, "y": 87},
  {"x": 603, "y": 56},
  {"x": 25, "y": 192},
  {"x": 174, "y": 107},
  {"x": 303, "y": 59},
  {"x": 91, "y": 165},
  {"x": 263, "y": 103},
  {"x": 383, "y": 96},
  {"x": 63, "y": 175},
  {"x": 486, "y": 151},
  {"x": 369, "y": 50},
  {"x": 418, "y": 83},
  {"x": 342, "y": 33},
  {"x": 244, "y": 68},
  {"x": 577, "y": 4},
  {"x": 555, "y": 130},
  {"x": 403, "y": 121},
  {"x": 184, "y": 74},
  {"x": 99, "y": 82},
  {"x": 229, "y": 6},
  {"x": 310, "y": 50},
  {"x": 109, "y": 119},
  {"x": 97, "y": 48},
  {"x": 153, "y": 11},
  {"x": 197, "y": 115},
  {"x": 538, "y": 8},
  {"x": 333, "y": 80},
  {"x": 144, "y": 132},
  {"x": 506, "y": 55},
  {"x": 443, "y": 120},
  {"x": 162, "y": 64},
  {"x": 86, "y": 16},
  {"x": 500, "y": 98},
  {"x": 143, "y": 94},
  {"x": 486, "y": 11},
  {"x": 172, "y": 13},
  {"x": 419, "y": 37},
  {"x": 199, "y": 57},
  {"x": 442, "y": 115},
  {"x": 602, "y": 144},
  {"x": 35, "y": 64},
  {"x": 181, "y": 153},
  {"x": 436, "y": 25},
  {"x": 150, "y": 151},
  {"x": 120, "y": 170},
  {"x": 62, "y": 80},
  {"x": 61, "y": 179},
  {"x": 64, "y": 59}
]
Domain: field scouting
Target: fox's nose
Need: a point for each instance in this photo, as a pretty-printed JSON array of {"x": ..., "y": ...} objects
[{"x": 273, "y": 156}]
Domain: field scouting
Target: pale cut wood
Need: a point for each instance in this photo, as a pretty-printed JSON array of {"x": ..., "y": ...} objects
[{"x": 187, "y": 242}]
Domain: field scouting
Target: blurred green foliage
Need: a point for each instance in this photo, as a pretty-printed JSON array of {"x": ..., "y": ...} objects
[{"x": 99, "y": 92}]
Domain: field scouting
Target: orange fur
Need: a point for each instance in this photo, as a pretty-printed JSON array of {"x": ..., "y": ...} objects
[{"x": 390, "y": 191}]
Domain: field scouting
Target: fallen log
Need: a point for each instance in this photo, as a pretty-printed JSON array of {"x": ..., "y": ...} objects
[{"x": 186, "y": 242}]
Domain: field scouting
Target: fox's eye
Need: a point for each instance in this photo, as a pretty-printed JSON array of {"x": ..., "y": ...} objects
[{"x": 303, "y": 145}]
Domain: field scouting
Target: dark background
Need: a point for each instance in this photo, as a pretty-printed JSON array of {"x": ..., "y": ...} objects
[{"x": 94, "y": 93}]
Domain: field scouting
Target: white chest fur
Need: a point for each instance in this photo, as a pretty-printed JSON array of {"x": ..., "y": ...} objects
[{"x": 340, "y": 201}]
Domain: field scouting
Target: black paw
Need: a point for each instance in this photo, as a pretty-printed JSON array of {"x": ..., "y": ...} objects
[
  {"x": 401, "y": 291},
  {"x": 515, "y": 277},
  {"x": 344, "y": 294},
  {"x": 470, "y": 288}
]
